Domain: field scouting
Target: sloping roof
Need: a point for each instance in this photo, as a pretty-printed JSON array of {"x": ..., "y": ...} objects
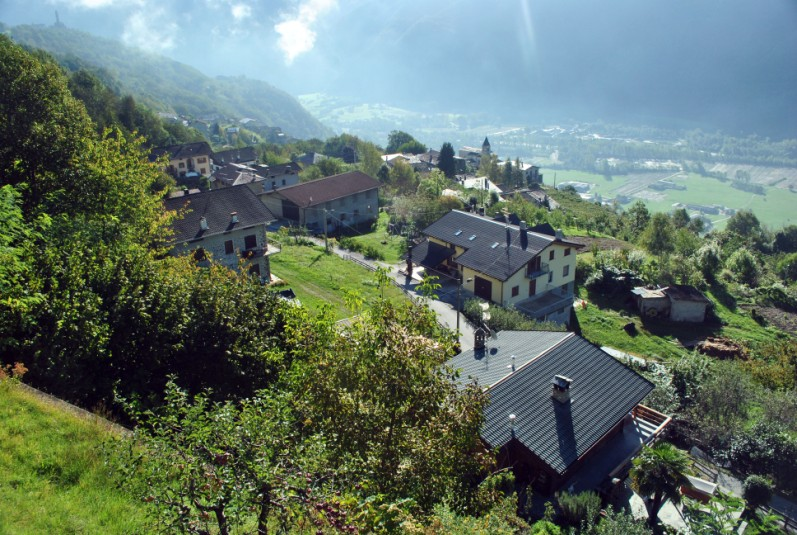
[
  {"x": 244, "y": 154},
  {"x": 273, "y": 171},
  {"x": 680, "y": 292},
  {"x": 179, "y": 152},
  {"x": 603, "y": 391},
  {"x": 485, "y": 242},
  {"x": 430, "y": 254},
  {"x": 216, "y": 206},
  {"x": 326, "y": 189},
  {"x": 233, "y": 174}
]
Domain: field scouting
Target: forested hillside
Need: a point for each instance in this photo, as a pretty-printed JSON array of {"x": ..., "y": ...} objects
[{"x": 158, "y": 81}]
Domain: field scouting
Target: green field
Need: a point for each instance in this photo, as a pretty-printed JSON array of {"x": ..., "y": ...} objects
[
  {"x": 776, "y": 208},
  {"x": 320, "y": 279},
  {"x": 602, "y": 321},
  {"x": 52, "y": 475}
]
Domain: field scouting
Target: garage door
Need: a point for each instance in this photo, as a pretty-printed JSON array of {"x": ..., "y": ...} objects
[{"x": 483, "y": 288}]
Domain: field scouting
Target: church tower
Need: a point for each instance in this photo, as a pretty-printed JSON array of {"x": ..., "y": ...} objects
[{"x": 486, "y": 146}]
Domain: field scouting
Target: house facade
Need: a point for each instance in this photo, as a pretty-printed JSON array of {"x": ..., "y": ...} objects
[
  {"x": 277, "y": 176},
  {"x": 506, "y": 264},
  {"x": 563, "y": 414},
  {"x": 226, "y": 226},
  {"x": 327, "y": 204},
  {"x": 186, "y": 159}
]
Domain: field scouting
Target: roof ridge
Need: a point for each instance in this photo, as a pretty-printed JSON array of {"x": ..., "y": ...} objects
[
  {"x": 503, "y": 224},
  {"x": 567, "y": 336}
]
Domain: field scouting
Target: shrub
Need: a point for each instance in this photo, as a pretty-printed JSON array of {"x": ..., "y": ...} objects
[
  {"x": 578, "y": 509},
  {"x": 757, "y": 491},
  {"x": 507, "y": 319},
  {"x": 544, "y": 527}
]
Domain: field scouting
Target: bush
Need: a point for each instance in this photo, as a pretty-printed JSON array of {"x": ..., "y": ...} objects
[
  {"x": 544, "y": 527},
  {"x": 610, "y": 281},
  {"x": 757, "y": 491},
  {"x": 507, "y": 319},
  {"x": 578, "y": 509}
]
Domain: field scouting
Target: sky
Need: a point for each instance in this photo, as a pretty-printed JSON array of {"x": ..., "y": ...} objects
[{"x": 729, "y": 64}]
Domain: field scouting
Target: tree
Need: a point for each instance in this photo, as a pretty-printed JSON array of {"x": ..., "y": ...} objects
[
  {"x": 744, "y": 265},
  {"x": 433, "y": 184},
  {"x": 44, "y": 127},
  {"x": 744, "y": 223},
  {"x": 709, "y": 261},
  {"x": 719, "y": 517},
  {"x": 402, "y": 178},
  {"x": 658, "y": 235},
  {"x": 637, "y": 219},
  {"x": 370, "y": 158},
  {"x": 396, "y": 139},
  {"x": 223, "y": 464},
  {"x": 488, "y": 166},
  {"x": 412, "y": 147},
  {"x": 680, "y": 218},
  {"x": 446, "y": 162},
  {"x": 658, "y": 473},
  {"x": 757, "y": 491}
]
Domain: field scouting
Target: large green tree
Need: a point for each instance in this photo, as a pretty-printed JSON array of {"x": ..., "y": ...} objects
[{"x": 445, "y": 161}]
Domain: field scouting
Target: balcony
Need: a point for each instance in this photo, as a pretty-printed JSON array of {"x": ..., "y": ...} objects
[
  {"x": 256, "y": 252},
  {"x": 544, "y": 303},
  {"x": 612, "y": 459},
  {"x": 534, "y": 273}
]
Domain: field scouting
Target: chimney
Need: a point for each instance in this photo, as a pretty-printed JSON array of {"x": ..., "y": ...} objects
[
  {"x": 561, "y": 388},
  {"x": 523, "y": 226},
  {"x": 559, "y": 234},
  {"x": 479, "y": 338},
  {"x": 524, "y": 237},
  {"x": 512, "y": 419},
  {"x": 233, "y": 217},
  {"x": 203, "y": 223}
]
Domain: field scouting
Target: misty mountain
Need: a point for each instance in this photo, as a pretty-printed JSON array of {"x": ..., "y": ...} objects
[{"x": 159, "y": 81}]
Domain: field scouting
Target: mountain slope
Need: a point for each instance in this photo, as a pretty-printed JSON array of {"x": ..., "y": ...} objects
[{"x": 159, "y": 81}]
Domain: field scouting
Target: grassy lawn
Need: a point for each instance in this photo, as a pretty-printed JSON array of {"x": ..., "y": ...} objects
[
  {"x": 602, "y": 321},
  {"x": 52, "y": 477},
  {"x": 320, "y": 279},
  {"x": 391, "y": 247}
]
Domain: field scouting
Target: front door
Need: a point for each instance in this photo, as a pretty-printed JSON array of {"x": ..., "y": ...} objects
[{"x": 483, "y": 288}]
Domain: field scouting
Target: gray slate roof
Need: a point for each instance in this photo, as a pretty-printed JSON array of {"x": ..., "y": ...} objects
[
  {"x": 184, "y": 150},
  {"x": 216, "y": 206},
  {"x": 602, "y": 393},
  {"x": 485, "y": 242},
  {"x": 430, "y": 254}
]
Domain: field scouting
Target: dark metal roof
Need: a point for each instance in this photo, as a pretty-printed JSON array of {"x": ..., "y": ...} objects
[
  {"x": 431, "y": 254},
  {"x": 217, "y": 206},
  {"x": 178, "y": 152},
  {"x": 602, "y": 393},
  {"x": 243, "y": 154},
  {"x": 485, "y": 242},
  {"x": 326, "y": 189},
  {"x": 681, "y": 292}
]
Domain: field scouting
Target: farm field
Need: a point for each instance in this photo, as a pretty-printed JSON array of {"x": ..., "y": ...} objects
[{"x": 776, "y": 208}]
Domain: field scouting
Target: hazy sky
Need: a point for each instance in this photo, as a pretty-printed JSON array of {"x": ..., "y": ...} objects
[{"x": 730, "y": 63}]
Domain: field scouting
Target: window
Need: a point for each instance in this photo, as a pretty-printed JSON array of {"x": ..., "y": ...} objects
[
  {"x": 567, "y": 251},
  {"x": 551, "y": 254},
  {"x": 255, "y": 269},
  {"x": 550, "y": 277},
  {"x": 228, "y": 247},
  {"x": 532, "y": 287},
  {"x": 565, "y": 271},
  {"x": 181, "y": 165},
  {"x": 201, "y": 160},
  {"x": 283, "y": 181},
  {"x": 250, "y": 242},
  {"x": 515, "y": 291},
  {"x": 202, "y": 170}
]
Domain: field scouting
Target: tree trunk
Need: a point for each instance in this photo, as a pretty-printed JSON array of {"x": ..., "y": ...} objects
[
  {"x": 221, "y": 520},
  {"x": 653, "y": 510},
  {"x": 265, "y": 508}
]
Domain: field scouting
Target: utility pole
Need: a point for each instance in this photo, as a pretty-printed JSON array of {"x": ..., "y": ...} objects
[{"x": 326, "y": 239}]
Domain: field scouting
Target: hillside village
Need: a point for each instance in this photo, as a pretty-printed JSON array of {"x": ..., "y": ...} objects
[{"x": 544, "y": 363}]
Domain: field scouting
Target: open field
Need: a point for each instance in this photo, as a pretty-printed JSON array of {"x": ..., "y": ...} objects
[
  {"x": 392, "y": 244},
  {"x": 52, "y": 476},
  {"x": 776, "y": 208},
  {"x": 320, "y": 279}
]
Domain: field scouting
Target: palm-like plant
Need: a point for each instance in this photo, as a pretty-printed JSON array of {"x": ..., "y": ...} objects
[{"x": 658, "y": 473}]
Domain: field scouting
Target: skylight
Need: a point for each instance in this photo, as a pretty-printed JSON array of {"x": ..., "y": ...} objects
[
  {"x": 472, "y": 238},
  {"x": 457, "y": 233},
  {"x": 493, "y": 246}
]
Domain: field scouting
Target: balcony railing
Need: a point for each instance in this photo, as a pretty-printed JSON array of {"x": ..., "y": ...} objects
[{"x": 537, "y": 272}]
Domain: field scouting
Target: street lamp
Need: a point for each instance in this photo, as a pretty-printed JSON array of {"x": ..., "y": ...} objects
[{"x": 459, "y": 297}]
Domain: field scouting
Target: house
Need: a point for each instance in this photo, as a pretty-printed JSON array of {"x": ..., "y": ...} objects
[
  {"x": 676, "y": 302},
  {"x": 503, "y": 263},
  {"x": 277, "y": 176},
  {"x": 474, "y": 155},
  {"x": 562, "y": 413},
  {"x": 226, "y": 226},
  {"x": 235, "y": 174},
  {"x": 186, "y": 159},
  {"x": 243, "y": 156},
  {"x": 531, "y": 174},
  {"x": 310, "y": 158},
  {"x": 325, "y": 204}
]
